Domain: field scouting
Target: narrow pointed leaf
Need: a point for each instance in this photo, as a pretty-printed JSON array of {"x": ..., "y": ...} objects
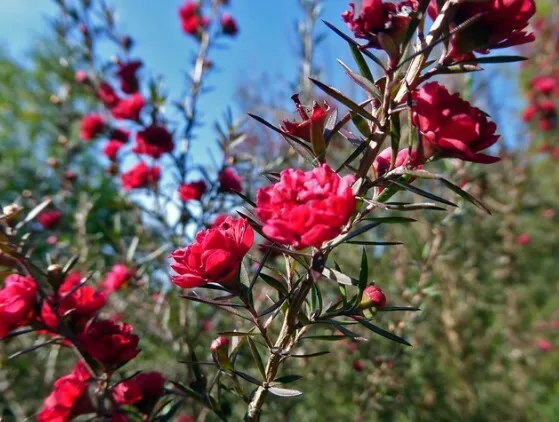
[
  {"x": 381, "y": 332},
  {"x": 284, "y": 392}
]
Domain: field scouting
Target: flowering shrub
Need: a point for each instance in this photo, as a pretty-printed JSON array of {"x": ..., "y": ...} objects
[{"x": 273, "y": 269}]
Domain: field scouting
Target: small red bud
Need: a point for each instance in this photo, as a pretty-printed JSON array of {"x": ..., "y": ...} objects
[
  {"x": 373, "y": 297},
  {"x": 220, "y": 349}
]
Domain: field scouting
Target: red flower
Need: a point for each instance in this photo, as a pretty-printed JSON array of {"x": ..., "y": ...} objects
[
  {"x": 306, "y": 208},
  {"x": 117, "y": 278},
  {"x": 112, "y": 148},
  {"x": 230, "y": 181},
  {"x": 358, "y": 365},
  {"x": 529, "y": 113},
  {"x": 218, "y": 220},
  {"x": 373, "y": 297},
  {"x": 91, "y": 126},
  {"x": 17, "y": 302},
  {"x": 192, "y": 191},
  {"x": 140, "y": 176},
  {"x": 191, "y": 19},
  {"x": 107, "y": 95},
  {"x": 215, "y": 256},
  {"x": 219, "y": 343},
  {"x": 543, "y": 84},
  {"x": 69, "y": 397},
  {"x": 310, "y": 124},
  {"x": 129, "y": 83},
  {"x": 143, "y": 391},
  {"x": 502, "y": 24},
  {"x": 229, "y": 25},
  {"x": 451, "y": 127},
  {"x": 76, "y": 304},
  {"x": 523, "y": 239},
  {"x": 154, "y": 141},
  {"x": 49, "y": 219},
  {"x": 109, "y": 343},
  {"x": 129, "y": 108},
  {"x": 378, "y": 17}
]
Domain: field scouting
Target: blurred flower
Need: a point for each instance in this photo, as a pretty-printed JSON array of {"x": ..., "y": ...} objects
[
  {"x": 129, "y": 108},
  {"x": 154, "y": 141},
  {"x": 358, "y": 365},
  {"x": 373, "y": 297},
  {"x": 17, "y": 302},
  {"x": 107, "y": 95},
  {"x": 229, "y": 25},
  {"x": 451, "y": 127},
  {"x": 77, "y": 305},
  {"x": 140, "y": 176},
  {"x": 142, "y": 391},
  {"x": 544, "y": 84},
  {"x": 112, "y": 148},
  {"x": 382, "y": 162},
  {"x": 120, "y": 135},
  {"x": 81, "y": 76},
  {"x": 117, "y": 278},
  {"x": 109, "y": 343},
  {"x": 230, "y": 181},
  {"x": 544, "y": 345},
  {"x": 523, "y": 239},
  {"x": 192, "y": 191},
  {"x": 306, "y": 208},
  {"x": 313, "y": 124},
  {"x": 377, "y": 17},
  {"x": 69, "y": 397},
  {"x": 191, "y": 18},
  {"x": 49, "y": 219},
  {"x": 129, "y": 83},
  {"x": 91, "y": 126},
  {"x": 220, "y": 350},
  {"x": 502, "y": 24},
  {"x": 215, "y": 255}
]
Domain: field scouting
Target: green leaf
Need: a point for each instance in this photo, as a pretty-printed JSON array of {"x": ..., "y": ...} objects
[
  {"x": 391, "y": 220},
  {"x": 286, "y": 379},
  {"x": 421, "y": 192},
  {"x": 363, "y": 82},
  {"x": 465, "y": 195},
  {"x": 339, "y": 277},
  {"x": 399, "y": 308},
  {"x": 363, "y": 271},
  {"x": 493, "y": 59},
  {"x": 361, "y": 63},
  {"x": 275, "y": 284},
  {"x": 373, "y": 243},
  {"x": 256, "y": 357},
  {"x": 356, "y": 108},
  {"x": 380, "y": 331},
  {"x": 325, "y": 338},
  {"x": 395, "y": 133}
]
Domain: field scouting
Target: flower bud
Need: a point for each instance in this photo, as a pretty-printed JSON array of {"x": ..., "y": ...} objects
[
  {"x": 373, "y": 297},
  {"x": 55, "y": 275},
  {"x": 220, "y": 350}
]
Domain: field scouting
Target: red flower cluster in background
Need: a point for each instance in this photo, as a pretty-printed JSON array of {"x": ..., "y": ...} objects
[
  {"x": 306, "y": 208},
  {"x": 117, "y": 278},
  {"x": 542, "y": 97},
  {"x": 192, "y": 191},
  {"x": 192, "y": 20},
  {"x": 142, "y": 391},
  {"x": 140, "y": 176},
  {"x": 49, "y": 219}
]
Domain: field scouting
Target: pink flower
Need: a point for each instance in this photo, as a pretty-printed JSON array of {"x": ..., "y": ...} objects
[
  {"x": 544, "y": 345},
  {"x": 129, "y": 83},
  {"x": 502, "y": 24},
  {"x": 192, "y": 191},
  {"x": 17, "y": 303},
  {"x": 451, "y": 127},
  {"x": 523, "y": 239},
  {"x": 306, "y": 208},
  {"x": 69, "y": 397},
  {"x": 129, "y": 108},
  {"x": 310, "y": 124},
  {"x": 378, "y": 17},
  {"x": 382, "y": 162},
  {"x": 91, "y": 126},
  {"x": 140, "y": 176},
  {"x": 373, "y": 297},
  {"x": 230, "y": 181},
  {"x": 544, "y": 84},
  {"x": 117, "y": 278},
  {"x": 229, "y": 25},
  {"x": 215, "y": 256},
  {"x": 191, "y": 19},
  {"x": 154, "y": 141},
  {"x": 81, "y": 77},
  {"x": 49, "y": 219}
]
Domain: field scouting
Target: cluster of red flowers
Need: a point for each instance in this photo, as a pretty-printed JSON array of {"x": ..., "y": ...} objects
[
  {"x": 193, "y": 20},
  {"x": 542, "y": 102}
]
